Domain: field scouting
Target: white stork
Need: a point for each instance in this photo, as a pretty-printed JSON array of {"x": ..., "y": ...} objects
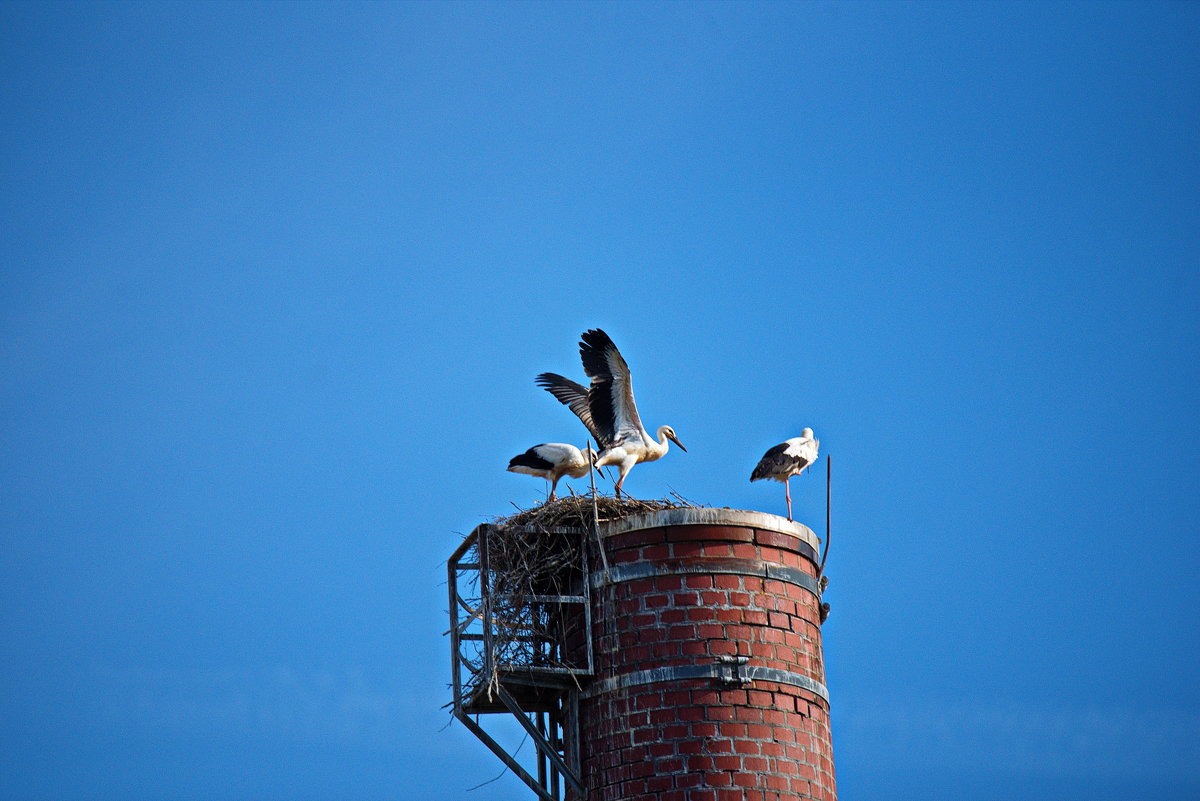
[
  {"x": 788, "y": 459},
  {"x": 552, "y": 461},
  {"x": 607, "y": 407}
]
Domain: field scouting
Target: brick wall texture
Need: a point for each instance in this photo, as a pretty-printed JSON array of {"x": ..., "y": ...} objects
[{"x": 700, "y": 739}]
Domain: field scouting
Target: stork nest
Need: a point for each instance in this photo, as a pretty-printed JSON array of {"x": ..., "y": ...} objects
[
  {"x": 575, "y": 511},
  {"x": 533, "y": 554}
]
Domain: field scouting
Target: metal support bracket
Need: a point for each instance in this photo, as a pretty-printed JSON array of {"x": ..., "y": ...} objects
[
  {"x": 731, "y": 675},
  {"x": 544, "y": 746}
]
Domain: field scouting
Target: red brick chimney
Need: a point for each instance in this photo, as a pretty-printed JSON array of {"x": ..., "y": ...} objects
[{"x": 709, "y": 679}]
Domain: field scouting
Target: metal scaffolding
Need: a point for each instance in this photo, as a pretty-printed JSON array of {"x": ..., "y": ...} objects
[{"x": 537, "y": 683}]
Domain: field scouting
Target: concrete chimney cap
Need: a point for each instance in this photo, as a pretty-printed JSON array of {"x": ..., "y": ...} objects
[{"x": 706, "y": 516}]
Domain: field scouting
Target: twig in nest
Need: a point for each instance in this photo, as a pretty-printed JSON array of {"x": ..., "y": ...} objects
[{"x": 536, "y": 552}]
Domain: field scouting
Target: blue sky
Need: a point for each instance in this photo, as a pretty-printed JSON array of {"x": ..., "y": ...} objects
[{"x": 275, "y": 280}]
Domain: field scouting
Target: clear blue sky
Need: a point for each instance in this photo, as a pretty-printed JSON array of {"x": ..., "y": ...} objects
[{"x": 275, "y": 280}]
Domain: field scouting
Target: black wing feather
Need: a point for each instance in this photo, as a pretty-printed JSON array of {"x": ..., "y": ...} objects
[
  {"x": 572, "y": 395},
  {"x": 776, "y": 462},
  {"x": 596, "y": 349},
  {"x": 530, "y": 459}
]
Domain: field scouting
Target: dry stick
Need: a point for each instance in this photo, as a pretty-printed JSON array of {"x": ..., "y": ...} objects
[
  {"x": 596, "y": 512},
  {"x": 501, "y": 773},
  {"x": 522, "y": 566},
  {"x": 529, "y": 556}
]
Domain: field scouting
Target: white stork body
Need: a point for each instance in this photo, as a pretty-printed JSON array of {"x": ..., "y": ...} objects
[
  {"x": 629, "y": 452},
  {"x": 551, "y": 461},
  {"x": 788, "y": 459},
  {"x": 607, "y": 407}
]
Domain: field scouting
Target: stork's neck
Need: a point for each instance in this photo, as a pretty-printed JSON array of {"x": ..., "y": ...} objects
[{"x": 663, "y": 445}]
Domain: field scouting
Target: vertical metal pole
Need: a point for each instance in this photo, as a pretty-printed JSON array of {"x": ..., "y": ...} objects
[
  {"x": 573, "y": 734},
  {"x": 554, "y": 743},
  {"x": 541, "y": 757},
  {"x": 828, "y": 483},
  {"x": 485, "y": 600},
  {"x": 596, "y": 516},
  {"x": 587, "y": 576},
  {"x": 452, "y": 582},
  {"x": 586, "y": 590}
]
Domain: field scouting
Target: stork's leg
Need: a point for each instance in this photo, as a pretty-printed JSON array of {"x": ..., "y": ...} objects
[
  {"x": 553, "y": 487},
  {"x": 620, "y": 482},
  {"x": 787, "y": 489}
]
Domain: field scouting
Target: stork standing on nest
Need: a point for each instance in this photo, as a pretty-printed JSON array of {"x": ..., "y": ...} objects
[
  {"x": 607, "y": 407},
  {"x": 552, "y": 461},
  {"x": 788, "y": 459}
]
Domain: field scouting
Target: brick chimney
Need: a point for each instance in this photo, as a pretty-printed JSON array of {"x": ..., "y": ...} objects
[{"x": 709, "y": 680}]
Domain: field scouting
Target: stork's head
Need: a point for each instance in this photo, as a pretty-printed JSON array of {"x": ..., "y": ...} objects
[
  {"x": 670, "y": 434},
  {"x": 808, "y": 432}
]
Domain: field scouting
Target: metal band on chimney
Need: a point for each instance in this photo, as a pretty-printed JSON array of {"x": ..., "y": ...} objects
[
  {"x": 706, "y": 567},
  {"x": 722, "y": 672}
]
